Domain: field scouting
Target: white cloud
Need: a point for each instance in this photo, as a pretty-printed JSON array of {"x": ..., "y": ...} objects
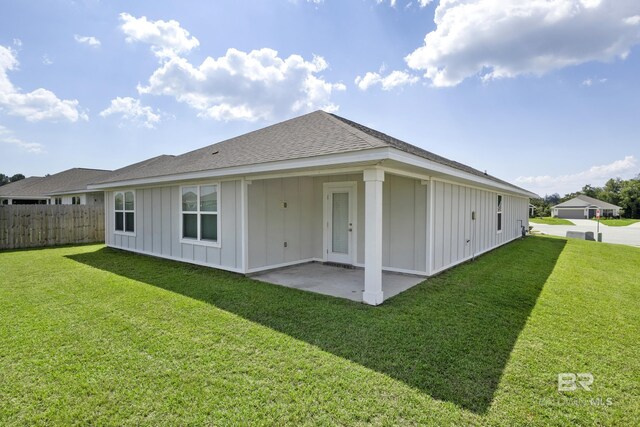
[
  {"x": 245, "y": 86},
  {"x": 132, "y": 110},
  {"x": 46, "y": 60},
  {"x": 392, "y": 3},
  {"x": 7, "y": 137},
  {"x": 591, "y": 81},
  {"x": 507, "y": 38},
  {"x": 596, "y": 175},
  {"x": 167, "y": 38},
  {"x": 237, "y": 86},
  {"x": 17, "y": 43},
  {"x": 390, "y": 81},
  {"x": 88, "y": 40},
  {"x": 40, "y": 104}
]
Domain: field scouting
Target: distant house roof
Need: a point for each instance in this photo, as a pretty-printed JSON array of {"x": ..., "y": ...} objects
[
  {"x": 582, "y": 201},
  {"x": 311, "y": 135},
  {"x": 69, "y": 181},
  {"x": 19, "y": 187}
]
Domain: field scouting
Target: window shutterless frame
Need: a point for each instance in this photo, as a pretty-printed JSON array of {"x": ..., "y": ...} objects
[
  {"x": 124, "y": 207},
  {"x": 198, "y": 208}
]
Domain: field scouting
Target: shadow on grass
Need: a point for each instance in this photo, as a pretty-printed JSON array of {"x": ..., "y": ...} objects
[{"x": 450, "y": 337}]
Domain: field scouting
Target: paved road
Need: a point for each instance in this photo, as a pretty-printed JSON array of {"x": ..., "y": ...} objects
[{"x": 629, "y": 235}]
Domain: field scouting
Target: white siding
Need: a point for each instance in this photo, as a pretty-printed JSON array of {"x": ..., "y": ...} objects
[
  {"x": 301, "y": 224},
  {"x": 458, "y": 238},
  {"x": 157, "y": 230},
  {"x": 271, "y": 225}
]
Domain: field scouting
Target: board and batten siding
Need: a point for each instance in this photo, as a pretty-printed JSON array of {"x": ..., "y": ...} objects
[
  {"x": 456, "y": 237},
  {"x": 301, "y": 223},
  {"x": 157, "y": 227}
]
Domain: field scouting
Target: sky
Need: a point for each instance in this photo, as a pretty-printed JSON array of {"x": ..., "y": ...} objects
[{"x": 542, "y": 93}]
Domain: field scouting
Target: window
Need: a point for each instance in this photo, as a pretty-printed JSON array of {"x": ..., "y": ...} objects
[
  {"x": 499, "y": 213},
  {"x": 75, "y": 200},
  {"x": 125, "y": 211},
  {"x": 58, "y": 200},
  {"x": 199, "y": 210}
]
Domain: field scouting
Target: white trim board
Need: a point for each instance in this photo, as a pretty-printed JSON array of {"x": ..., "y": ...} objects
[
  {"x": 285, "y": 166},
  {"x": 172, "y": 258}
]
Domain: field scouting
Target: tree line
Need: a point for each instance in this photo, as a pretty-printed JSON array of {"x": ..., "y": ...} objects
[
  {"x": 6, "y": 179},
  {"x": 620, "y": 192}
]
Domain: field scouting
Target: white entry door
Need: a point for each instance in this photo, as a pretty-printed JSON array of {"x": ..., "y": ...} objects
[{"x": 339, "y": 221}]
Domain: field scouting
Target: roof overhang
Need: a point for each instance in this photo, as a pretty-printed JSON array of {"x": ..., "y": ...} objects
[
  {"x": 25, "y": 197},
  {"x": 418, "y": 166}
]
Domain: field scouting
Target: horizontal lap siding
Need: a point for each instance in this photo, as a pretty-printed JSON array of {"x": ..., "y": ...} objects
[
  {"x": 157, "y": 225},
  {"x": 456, "y": 237}
]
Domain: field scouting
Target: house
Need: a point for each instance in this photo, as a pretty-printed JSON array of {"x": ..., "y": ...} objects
[
  {"x": 314, "y": 188},
  {"x": 584, "y": 207},
  {"x": 66, "y": 188},
  {"x": 532, "y": 210}
]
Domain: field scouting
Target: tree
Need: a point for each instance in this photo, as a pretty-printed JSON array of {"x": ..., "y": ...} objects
[
  {"x": 590, "y": 191},
  {"x": 16, "y": 177},
  {"x": 552, "y": 199},
  {"x": 611, "y": 191},
  {"x": 4, "y": 179},
  {"x": 630, "y": 198}
]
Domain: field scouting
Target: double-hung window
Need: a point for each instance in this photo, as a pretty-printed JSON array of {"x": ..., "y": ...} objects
[
  {"x": 125, "y": 213},
  {"x": 200, "y": 213},
  {"x": 499, "y": 213}
]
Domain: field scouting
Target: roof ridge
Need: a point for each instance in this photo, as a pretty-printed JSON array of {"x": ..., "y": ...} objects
[{"x": 350, "y": 128}]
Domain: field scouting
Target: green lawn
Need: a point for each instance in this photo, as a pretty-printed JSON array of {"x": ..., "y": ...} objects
[
  {"x": 550, "y": 221},
  {"x": 618, "y": 222},
  {"x": 95, "y": 336}
]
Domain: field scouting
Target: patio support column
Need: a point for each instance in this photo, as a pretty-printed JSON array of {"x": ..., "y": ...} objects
[{"x": 373, "y": 179}]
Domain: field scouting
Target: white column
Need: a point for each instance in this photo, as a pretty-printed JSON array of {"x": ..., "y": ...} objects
[{"x": 373, "y": 179}]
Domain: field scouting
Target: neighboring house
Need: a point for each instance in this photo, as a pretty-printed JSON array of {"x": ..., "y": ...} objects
[
  {"x": 584, "y": 207},
  {"x": 66, "y": 188},
  {"x": 315, "y": 188},
  {"x": 17, "y": 192},
  {"x": 532, "y": 210}
]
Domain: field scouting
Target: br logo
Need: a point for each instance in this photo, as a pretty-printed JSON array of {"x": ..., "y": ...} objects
[{"x": 571, "y": 382}]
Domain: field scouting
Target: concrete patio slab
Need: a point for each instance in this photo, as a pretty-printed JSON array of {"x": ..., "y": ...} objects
[{"x": 336, "y": 281}]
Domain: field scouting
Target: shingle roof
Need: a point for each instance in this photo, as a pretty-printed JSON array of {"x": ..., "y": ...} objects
[
  {"x": 582, "y": 201},
  {"x": 19, "y": 187},
  {"x": 75, "y": 179},
  {"x": 314, "y": 134}
]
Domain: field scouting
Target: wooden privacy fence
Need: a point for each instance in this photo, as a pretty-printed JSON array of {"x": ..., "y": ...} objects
[{"x": 30, "y": 226}]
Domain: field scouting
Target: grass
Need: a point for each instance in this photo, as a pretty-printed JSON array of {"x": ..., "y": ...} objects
[
  {"x": 623, "y": 222},
  {"x": 550, "y": 221},
  {"x": 91, "y": 335}
]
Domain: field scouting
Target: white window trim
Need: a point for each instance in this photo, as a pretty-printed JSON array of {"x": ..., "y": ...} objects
[
  {"x": 500, "y": 211},
  {"x": 135, "y": 207},
  {"x": 199, "y": 242}
]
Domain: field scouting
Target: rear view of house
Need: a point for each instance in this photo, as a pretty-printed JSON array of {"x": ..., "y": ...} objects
[{"x": 315, "y": 188}]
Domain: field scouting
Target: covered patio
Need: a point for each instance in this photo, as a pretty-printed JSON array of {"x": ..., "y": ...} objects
[{"x": 336, "y": 281}]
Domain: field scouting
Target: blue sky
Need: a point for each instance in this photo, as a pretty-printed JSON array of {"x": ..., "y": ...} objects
[{"x": 544, "y": 94}]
